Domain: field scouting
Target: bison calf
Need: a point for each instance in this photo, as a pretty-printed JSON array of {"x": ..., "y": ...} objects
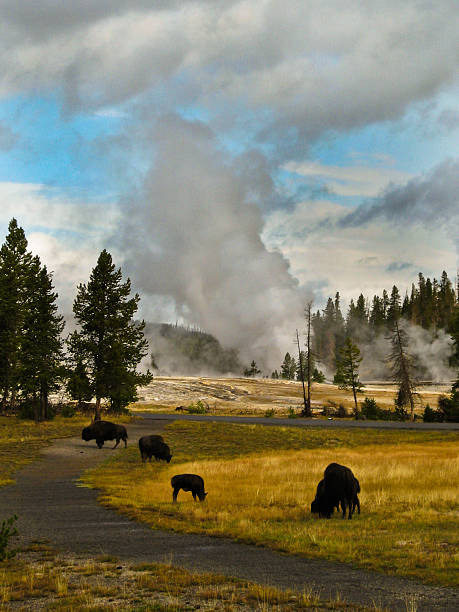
[
  {"x": 339, "y": 486},
  {"x": 101, "y": 431},
  {"x": 188, "y": 482}
]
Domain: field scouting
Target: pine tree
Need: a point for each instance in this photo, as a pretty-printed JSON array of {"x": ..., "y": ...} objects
[
  {"x": 347, "y": 374},
  {"x": 288, "y": 367},
  {"x": 110, "y": 342},
  {"x": 78, "y": 384},
  {"x": 15, "y": 262},
  {"x": 41, "y": 368},
  {"x": 252, "y": 370},
  {"x": 401, "y": 364},
  {"x": 393, "y": 311},
  {"x": 377, "y": 318}
]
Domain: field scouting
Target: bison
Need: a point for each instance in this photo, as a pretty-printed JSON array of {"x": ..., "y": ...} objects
[
  {"x": 339, "y": 486},
  {"x": 160, "y": 451},
  {"x": 188, "y": 482},
  {"x": 149, "y": 444},
  {"x": 101, "y": 431}
]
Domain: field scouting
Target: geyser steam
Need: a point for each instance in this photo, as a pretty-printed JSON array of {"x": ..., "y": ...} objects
[{"x": 194, "y": 235}]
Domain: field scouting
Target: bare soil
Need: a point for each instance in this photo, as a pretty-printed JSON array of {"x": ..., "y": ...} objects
[{"x": 53, "y": 507}]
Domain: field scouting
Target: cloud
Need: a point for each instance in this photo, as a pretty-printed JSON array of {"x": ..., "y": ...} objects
[
  {"x": 67, "y": 235},
  {"x": 431, "y": 199},
  {"x": 354, "y": 259},
  {"x": 397, "y": 266},
  {"x": 350, "y": 180},
  {"x": 8, "y": 138},
  {"x": 330, "y": 66}
]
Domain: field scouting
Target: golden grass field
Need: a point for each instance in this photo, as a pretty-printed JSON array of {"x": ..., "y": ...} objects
[
  {"x": 245, "y": 396},
  {"x": 261, "y": 481}
]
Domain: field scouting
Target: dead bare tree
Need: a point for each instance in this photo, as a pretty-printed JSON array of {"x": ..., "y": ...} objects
[{"x": 307, "y": 406}]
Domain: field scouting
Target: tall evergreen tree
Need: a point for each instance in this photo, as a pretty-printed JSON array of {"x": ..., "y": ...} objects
[
  {"x": 393, "y": 310},
  {"x": 15, "y": 262},
  {"x": 42, "y": 356},
  {"x": 347, "y": 374},
  {"x": 401, "y": 363},
  {"x": 377, "y": 318},
  {"x": 109, "y": 342}
]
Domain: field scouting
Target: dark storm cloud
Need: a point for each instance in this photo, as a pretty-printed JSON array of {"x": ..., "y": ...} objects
[
  {"x": 429, "y": 199},
  {"x": 398, "y": 266}
]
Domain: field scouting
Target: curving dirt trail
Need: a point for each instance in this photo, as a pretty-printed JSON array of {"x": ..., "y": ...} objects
[{"x": 52, "y": 507}]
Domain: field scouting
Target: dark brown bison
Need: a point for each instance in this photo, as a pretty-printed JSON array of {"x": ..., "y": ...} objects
[
  {"x": 339, "y": 486},
  {"x": 101, "y": 431},
  {"x": 161, "y": 452},
  {"x": 148, "y": 445},
  {"x": 188, "y": 482}
]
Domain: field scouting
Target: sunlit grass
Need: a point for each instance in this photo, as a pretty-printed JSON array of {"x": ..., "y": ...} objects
[{"x": 260, "y": 492}]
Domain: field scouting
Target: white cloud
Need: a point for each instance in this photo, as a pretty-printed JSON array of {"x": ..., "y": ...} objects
[
  {"x": 351, "y": 180},
  {"x": 67, "y": 236},
  {"x": 352, "y": 260}
]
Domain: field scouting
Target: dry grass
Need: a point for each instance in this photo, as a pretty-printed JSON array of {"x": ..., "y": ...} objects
[
  {"x": 56, "y": 582},
  {"x": 260, "y": 492},
  {"x": 245, "y": 396}
]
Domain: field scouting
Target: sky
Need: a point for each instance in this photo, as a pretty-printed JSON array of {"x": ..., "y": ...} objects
[{"x": 237, "y": 158}]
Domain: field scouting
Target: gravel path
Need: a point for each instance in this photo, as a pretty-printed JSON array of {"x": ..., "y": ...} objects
[{"x": 51, "y": 506}]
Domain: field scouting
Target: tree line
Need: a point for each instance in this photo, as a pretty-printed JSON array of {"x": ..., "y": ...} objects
[
  {"x": 335, "y": 342},
  {"x": 98, "y": 360},
  {"x": 431, "y": 305}
]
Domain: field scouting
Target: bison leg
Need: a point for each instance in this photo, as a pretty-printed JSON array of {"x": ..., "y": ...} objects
[
  {"x": 99, "y": 443},
  {"x": 351, "y": 508},
  {"x": 125, "y": 442},
  {"x": 357, "y": 504},
  {"x": 117, "y": 442},
  {"x": 174, "y": 495},
  {"x": 194, "y": 495}
]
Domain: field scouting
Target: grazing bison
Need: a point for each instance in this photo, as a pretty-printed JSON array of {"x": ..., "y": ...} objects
[
  {"x": 320, "y": 493},
  {"x": 339, "y": 486},
  {"x": 188, "y": 482},
  {"x": 101, "y": 431},
  {"x": 148, "y": 445},
  {"x": 162, "y": 453}
]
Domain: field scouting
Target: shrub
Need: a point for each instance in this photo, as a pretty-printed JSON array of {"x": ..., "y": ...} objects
[
  {"x": 269, "y": 413},
  {"x": 291, "y": 413},
  {"x": 7, "y": 531},
  {"x": 198, "y": 408},
  {"x": 68, "y": 410},
  {"x": 448, "y": 407},
  {"x": 431, "y": 416}
]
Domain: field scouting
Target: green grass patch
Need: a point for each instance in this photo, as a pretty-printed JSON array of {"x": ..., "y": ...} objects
[{"x": 261, "y": 481}]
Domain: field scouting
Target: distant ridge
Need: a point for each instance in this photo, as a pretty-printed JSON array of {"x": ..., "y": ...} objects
[{"x": 177, "y": 349}]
